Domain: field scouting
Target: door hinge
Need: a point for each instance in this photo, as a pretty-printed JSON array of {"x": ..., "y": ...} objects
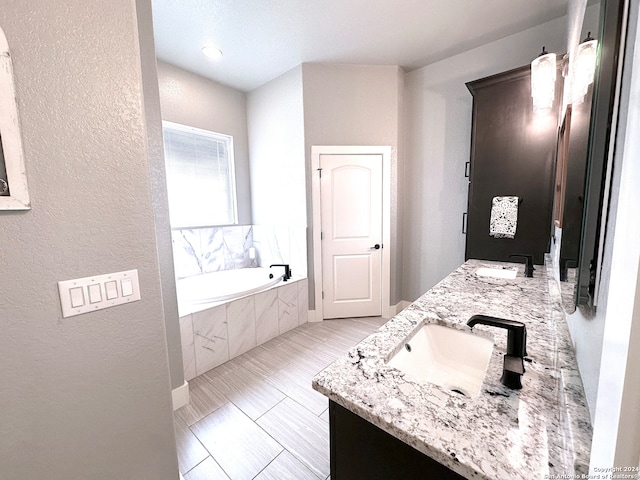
[
  {"x": 321, "y": 235},
  {"x": 320, "y": 171},
  {"x": 323, "y": 294}
]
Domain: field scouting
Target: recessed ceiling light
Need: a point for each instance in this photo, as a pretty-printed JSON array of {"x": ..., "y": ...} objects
[{"x": 212, "y": 52}]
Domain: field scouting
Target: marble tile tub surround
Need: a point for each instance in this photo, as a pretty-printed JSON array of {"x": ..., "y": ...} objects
[
  {"x": 211, "y": 249},
  {"x": 543, "y": 429},
  {"x": 211, "y": 337},
  {"x": 281, "y": 245}
]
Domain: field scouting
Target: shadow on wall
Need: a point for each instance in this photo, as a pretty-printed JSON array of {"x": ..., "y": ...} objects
[{"x": 211, "y": 249}]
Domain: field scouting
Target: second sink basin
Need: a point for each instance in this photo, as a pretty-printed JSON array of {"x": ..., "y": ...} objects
[
  {"x": 453, "y": 359},
  {"x": 496, "y": 272}
]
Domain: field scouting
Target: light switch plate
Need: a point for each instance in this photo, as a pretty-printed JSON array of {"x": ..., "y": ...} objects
[{"x": 97, "y": 283}]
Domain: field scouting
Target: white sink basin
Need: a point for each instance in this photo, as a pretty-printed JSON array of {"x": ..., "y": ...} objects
[
  {"x": 496, "y": 272},
  {"x": 453, "y": 359}
]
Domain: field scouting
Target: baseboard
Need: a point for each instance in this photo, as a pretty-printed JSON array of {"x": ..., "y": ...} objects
[
  {"x": 397, "y": 308},
  {"x": 180, "y": 396},
  {"x": 391, "y": 311}
]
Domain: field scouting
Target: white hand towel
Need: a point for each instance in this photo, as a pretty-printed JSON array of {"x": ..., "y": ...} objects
[{"x": 504, "y": 217}]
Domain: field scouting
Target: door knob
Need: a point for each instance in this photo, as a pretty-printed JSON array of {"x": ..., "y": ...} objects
[{"x": 375, "y": 247}]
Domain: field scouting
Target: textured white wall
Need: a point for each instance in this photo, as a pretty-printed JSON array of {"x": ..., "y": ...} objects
[
  {"x": 192, "y": 100},
  {"x": 276, "y": 139},
  {"x": 355, "y": 105},
  {"x": 88, "y": 396}
]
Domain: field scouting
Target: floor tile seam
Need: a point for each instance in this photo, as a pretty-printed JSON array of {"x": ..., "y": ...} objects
[
  {"x": 274, "y": 406},
  {"x": 203, "y": 446},
  {"x": 202, "y": 461},
  {"x": 268, "y": 378},
  {"x": 282, "y": 452},
  {"x": 272, "y": 382},
  {"x": 301, "y": 458},
  {"x": 248, "y": 372},
  {"x": 219, "y": 466},
  {"x": 267, "y": 465},
  {"x": 282, "y": 448},
  {"x": 247, "y": 414},
  {"x": 210, "y": 413},
  {"x": 307, "y": 409}
]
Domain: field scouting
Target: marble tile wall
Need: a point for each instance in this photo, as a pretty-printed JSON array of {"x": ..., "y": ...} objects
[
  {"x": 211, "y": 249},
  {"x": 281, "y": 245},
  {"x": 203, "y": 250},
  {"x": 215, "y": 335}
]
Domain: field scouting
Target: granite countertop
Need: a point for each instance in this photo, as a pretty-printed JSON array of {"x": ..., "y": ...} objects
[{"x": 543, "y": 429}]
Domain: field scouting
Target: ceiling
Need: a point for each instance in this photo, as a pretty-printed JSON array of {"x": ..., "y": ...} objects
[{"x": 262, "y": 39}]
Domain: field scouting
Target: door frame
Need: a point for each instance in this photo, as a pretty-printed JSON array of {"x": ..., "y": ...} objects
[{"x": 385, "y": 151}]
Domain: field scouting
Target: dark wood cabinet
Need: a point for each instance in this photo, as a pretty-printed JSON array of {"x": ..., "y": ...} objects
[
  {"x": 513, "y": 153},
  {"x": 362, "y": 451}
]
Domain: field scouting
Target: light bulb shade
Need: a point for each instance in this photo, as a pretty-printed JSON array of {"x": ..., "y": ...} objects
[
  {"x": 543, "y": 81},
  {"x": 584, "y": 70}
]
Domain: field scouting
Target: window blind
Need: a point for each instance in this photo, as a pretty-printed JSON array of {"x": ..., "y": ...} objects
[{"x": 200, "y": 177}]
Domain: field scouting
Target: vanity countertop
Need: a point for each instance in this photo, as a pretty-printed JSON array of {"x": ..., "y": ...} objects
[{"x": 543, "y": 429}]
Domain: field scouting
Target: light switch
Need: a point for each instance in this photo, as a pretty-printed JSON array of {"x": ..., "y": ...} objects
[
  {"x": 95, "y": 293},
  {"x": 77, "y": 297},
  {"x": 111, "y": 289},
  {"x": 127, "y": 287},
  {"x": 84, "y": 295}
]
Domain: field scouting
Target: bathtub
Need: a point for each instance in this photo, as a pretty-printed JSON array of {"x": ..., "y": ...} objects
[
  {"x": 224, "y": 314},
  {"x": 226, "y": 285}
]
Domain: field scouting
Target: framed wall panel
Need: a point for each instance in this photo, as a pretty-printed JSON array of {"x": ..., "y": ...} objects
[{"x": 14, "y": 194}]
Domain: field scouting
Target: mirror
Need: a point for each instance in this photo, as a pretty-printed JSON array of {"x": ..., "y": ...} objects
[{"x": 583, "y": 145}]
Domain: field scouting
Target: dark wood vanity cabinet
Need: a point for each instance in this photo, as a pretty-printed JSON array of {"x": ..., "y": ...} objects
[
  {"x": 362, "y": 451},
  {"x": 513, "y": 153}
]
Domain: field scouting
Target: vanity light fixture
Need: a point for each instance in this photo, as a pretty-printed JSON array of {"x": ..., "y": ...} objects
[
  {"x": 585, "y": 68},
  {"x": 212, "y": 52},
  {"x": 543, "y": 80}
]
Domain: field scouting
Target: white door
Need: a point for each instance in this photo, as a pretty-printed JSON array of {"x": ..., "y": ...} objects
[{"x": 351, "y": 217}]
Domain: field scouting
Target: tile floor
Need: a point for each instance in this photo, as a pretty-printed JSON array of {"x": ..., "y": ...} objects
[{"x": 257, "y": 417}]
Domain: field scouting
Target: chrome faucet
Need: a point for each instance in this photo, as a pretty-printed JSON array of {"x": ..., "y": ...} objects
[
  {"x": 287, "y": 270},
  {"x": 513, "y": 367}
]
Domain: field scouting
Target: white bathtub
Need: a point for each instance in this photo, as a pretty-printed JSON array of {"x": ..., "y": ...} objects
[
  {"x": 226, "y": 285},
  {"x": 215, "y": 331}
]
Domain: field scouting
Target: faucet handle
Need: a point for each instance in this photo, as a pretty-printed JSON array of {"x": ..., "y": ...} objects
[{"x": 528, "y": 263}]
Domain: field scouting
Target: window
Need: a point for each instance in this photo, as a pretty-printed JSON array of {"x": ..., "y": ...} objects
[{"x": 200, "y": 177}]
